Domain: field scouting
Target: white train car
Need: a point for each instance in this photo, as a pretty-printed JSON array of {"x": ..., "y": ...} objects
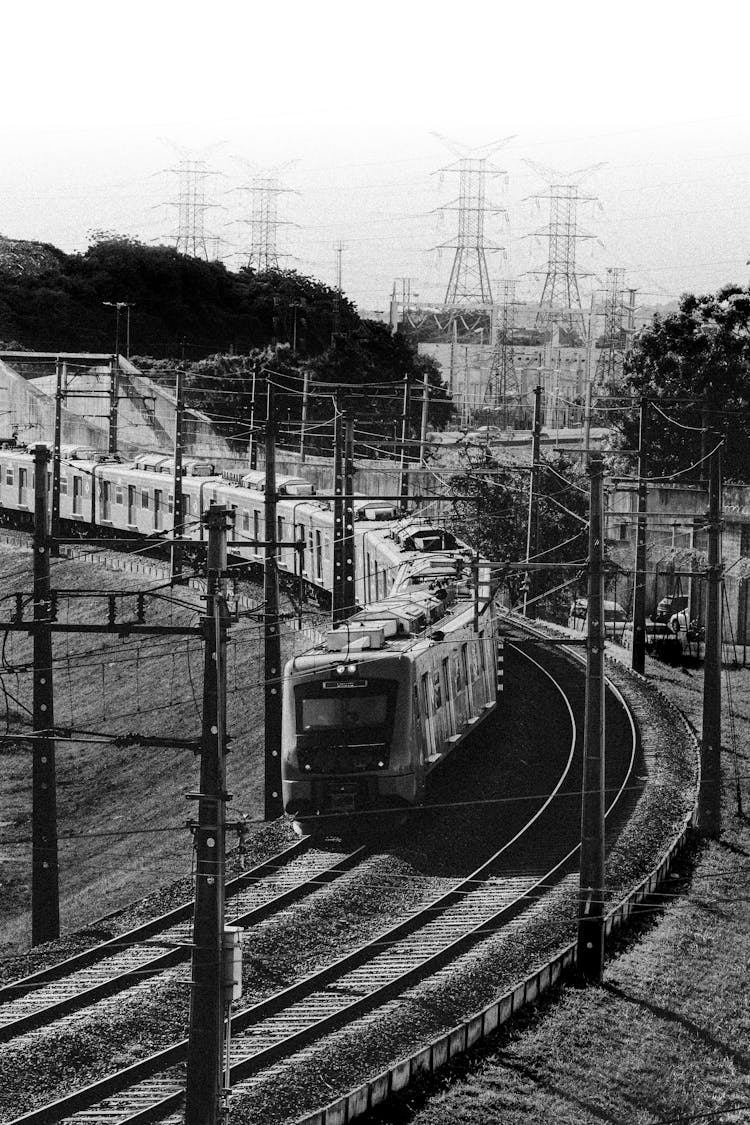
[{"x": 384, "y": 698}]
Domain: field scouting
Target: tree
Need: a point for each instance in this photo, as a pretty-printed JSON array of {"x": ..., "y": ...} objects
[
  {"x": 694, "y": 365},
  {"x": 496, "y": 521}
]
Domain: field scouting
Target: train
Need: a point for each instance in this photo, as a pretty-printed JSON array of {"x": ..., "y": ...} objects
[
  {"x": 135, "y": 499},
  {"x": 383, "y": 697},
  {"x": 387, "y": 695}
]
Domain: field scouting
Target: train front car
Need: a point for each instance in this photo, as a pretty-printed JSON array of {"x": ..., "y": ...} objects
[
  {"x": 346, "y": 754},
  {"x": 385, "y": 697}
]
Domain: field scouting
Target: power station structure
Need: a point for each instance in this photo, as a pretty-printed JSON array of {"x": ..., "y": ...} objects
[
  {"x": 263, "y": 189},
  {"x": 469, "y": 282},
  {"x": 560, "y": 301}
]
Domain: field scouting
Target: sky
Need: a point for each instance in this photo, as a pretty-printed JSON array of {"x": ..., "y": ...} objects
[{"x": 350, "y": 102}]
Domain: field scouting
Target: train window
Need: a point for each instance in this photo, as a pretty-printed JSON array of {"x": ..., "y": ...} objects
[
  {"x": 144, "y": 498},
  {"x": 106, "y": 500},
  {"x": 447, "y": 676},
  {"x": 9, "y": 475},
  {"x": 118, "y": 494},
  {"x": 157, "y": 508},
  {"x": 77, "y": 495},
  {"x": 245, "y": 521},
  {"x": 416, "y": 703},
  {"x": 131, "y": 504},
  {"x": 319, "y": 554},
  {"x": 321, "y": 709},
  {"x": 170, "y": 502},
  {"x": 460, "y": 682},
  {"x": 256, "y": 528},
  {"x": 63, "y": 485},
  {"x": 437, "y": 695}
]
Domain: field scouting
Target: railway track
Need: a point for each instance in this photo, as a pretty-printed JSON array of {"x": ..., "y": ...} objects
[
  {"x": 493, "y": 896},
  {"x": 112, "y": 966}
]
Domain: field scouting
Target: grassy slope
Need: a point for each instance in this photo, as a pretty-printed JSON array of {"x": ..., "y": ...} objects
[
  {"x": 666, "y": 1038},
  {"x": 133, "y": 819}
]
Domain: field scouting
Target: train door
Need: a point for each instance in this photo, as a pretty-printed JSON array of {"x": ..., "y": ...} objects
[
  {"x": 450, "y": 710},
  {"x": 22, "y": 474},
  {"x": 428, "y": 718},
  {"x": 77, "y": 495},
  {"x": 419, "y": 733},
  {"x": 106, "y": 500},
  {"x": 318, "y": 556},
  {"x": 465, "y": 672}
]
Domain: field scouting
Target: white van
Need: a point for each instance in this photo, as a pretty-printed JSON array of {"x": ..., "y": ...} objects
[{"x": 614, "y": 618}]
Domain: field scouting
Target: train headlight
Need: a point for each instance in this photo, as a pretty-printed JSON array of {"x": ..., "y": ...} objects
[{"x": 346, "y": 669}]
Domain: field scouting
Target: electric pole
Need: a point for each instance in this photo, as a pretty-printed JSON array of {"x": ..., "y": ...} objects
[
  {"x": 343, "y": 600},
  {"x": 45, "y": 898},
  {"x": 114, "y": 393},
  {"x": 178, "y": 530},
  {"x": 638, "y": 662},
  {"x": 57, "y": 440},
  {"x": 272, "y": 640},
  {"x": 709, "y": 798},
  {"x": 423, "y": 420},
  {"x": 403, "y": 475},
  {"x": 590, "y": 946},
  {"x": 206, "y": 1038},
  {"x": 532, "y": 524}
]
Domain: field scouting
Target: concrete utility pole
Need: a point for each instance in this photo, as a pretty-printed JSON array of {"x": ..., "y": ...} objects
[
  {"x": 114, "y": 395},
  {"x": 638, "y": 661},
  {"x": 590, "y": 947},
  {"x": 45, "y": 901},
  {"x": 403, "y": 475},
  {"x": 532, "y": 523},
  {"x": 57, "y": 440},
  {"x": 272, "y": 645},
  {"x": 709, "y": 798},
  {"x": 343, "y": 600},
  {"x": 177, "y": 504},
  {"x": 423, "y": 419},
  {"x": 206, "y": 1038}
]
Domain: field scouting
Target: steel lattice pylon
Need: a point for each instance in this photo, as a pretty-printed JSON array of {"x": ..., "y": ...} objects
[
  {"x": 560, "y": 302},
  {"x": 609, "y": 360},
  {"x": 264, "y": 189},
  {"x": 191, "y": 173},
  {"x": 502, "y": 384},
  {"x": 469, "y": 282}
]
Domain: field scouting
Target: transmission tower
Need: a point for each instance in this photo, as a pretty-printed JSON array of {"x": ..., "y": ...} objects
[
  {"x": 191, "y": 173},
  {"x": 264, "y": 188},
  {"x": 469, "y": 282},
  {"x": 560, "y": 302},
  {"x": 609, "y": 360},
  {"x": 503, "y": 382}
]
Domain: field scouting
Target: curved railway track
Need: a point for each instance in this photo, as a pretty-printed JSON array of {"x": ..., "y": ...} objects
[
  {"x": 499, "y": 893},
  {"x": 67, "y": 987}
]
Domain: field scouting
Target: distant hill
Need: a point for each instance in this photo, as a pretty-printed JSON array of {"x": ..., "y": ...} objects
[{"x": 19, "y": 257}]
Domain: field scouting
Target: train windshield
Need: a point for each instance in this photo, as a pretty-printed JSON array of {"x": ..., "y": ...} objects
[{"x": 345, "y": 706}]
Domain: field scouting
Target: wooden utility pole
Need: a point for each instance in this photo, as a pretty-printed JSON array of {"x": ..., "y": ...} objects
[
  {"x": 709, "y": 799},
  {"x": 206, "y": 1037},
  {"x": 532, "y": 524},
  {"x": 114, "y": 395},
  {"x": 638, "y": 659},
  {"x": 590, "y": 947},
  {"x": 45, "y": 898},
  {"x": 178, "y": 530},
  {"x": 272, "y": 642}
]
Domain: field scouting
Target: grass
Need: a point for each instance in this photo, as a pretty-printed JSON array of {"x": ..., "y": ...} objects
[
  {"x": 121, "y": 809},
  {"x": 666, "y": 1037}
]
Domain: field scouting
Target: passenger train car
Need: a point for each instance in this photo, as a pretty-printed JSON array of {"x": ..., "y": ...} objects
[
  {"x": 135, "y": 498},
  {"x": 371, "y": 710}
]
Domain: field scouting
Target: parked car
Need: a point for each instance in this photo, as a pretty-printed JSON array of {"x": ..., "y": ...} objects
[
  {"x": 661, "y": 639},
  {"x": 614, "y": 618},
  {"x": 669, "y": 606}
]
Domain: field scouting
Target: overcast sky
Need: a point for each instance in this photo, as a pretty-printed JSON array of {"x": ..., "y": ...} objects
[{"x": 96, "y": 96}]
